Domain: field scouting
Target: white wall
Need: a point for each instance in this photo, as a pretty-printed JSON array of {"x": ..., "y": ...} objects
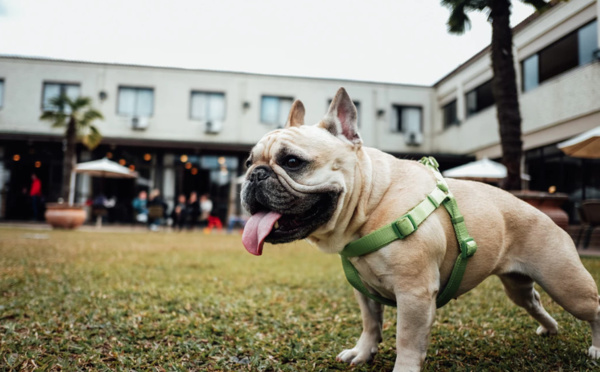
[
  {"x": 571, "y": 99},
  {"x": 24, "y": 79}
]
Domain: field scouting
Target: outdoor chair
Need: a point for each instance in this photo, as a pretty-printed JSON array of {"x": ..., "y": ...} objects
[{"x": 156, "y": 212}]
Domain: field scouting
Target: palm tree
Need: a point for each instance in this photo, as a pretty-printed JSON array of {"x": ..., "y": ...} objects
[
  {"x": 504, "y": 84},
  {"x": 77, "y": 117}
]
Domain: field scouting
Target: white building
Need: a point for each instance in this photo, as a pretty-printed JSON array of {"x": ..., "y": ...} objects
[{"x": 185, "y": 130}]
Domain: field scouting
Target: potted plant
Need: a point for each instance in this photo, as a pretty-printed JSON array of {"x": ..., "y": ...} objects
[{"x": 77, "y": 117}]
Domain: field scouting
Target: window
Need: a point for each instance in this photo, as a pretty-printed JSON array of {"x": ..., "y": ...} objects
[
  {"x": 206, "y": 106},
  {"x": 275, "y": 110},
  {"x": 480, "y": 98},
  {"x": 575, "y": 49},
  {"x": 136, "y": 102},
  {"x": 53, "y": 90},
  {"x": 1, "y": 93},
  {"x": 406, "y": 119},
  {"x": 587, "y": 42},
  {"x": 450, "y": 114},
  {"x": 531, "y": 72}
]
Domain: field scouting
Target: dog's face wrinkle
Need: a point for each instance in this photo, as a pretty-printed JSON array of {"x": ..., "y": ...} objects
[
  {"x": 271, "y": 195},
  {"x": 302, "y": 212}
]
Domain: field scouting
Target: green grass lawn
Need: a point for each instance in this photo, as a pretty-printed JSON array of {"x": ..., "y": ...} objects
[{"x": 165, "y": 301}]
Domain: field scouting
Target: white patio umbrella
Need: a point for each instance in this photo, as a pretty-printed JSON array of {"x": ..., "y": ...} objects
[
  {"x": 481, "y": 170},
  {"x": 105, "y": 168},
  {"x": 100, "y": 168},
  {"x": 586, "y": 145}
]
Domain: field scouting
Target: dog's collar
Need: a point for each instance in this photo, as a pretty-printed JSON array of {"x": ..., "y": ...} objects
[{"x": 406, "y": 225}]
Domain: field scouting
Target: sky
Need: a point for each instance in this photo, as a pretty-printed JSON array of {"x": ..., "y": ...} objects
[{"x": 396, "y": 41}]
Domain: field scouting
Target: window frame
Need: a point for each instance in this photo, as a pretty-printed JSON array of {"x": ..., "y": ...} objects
[
  {"x": 476, "y": 90},
  {"x": 397, "y": 115},
  {"x": 62, "y": 86},
  {"x": 456, "y": 121},
  {"x": 279, "y": 99},
  {"x": 207, "y": 92},
  {"x": 545, "y": 49},
  {"x": 137, "y": 88}
]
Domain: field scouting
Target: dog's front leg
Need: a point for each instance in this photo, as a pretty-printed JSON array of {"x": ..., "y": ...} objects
[
  {"x": 416, "y": 313},
  {"x": 371, "y": 336}
]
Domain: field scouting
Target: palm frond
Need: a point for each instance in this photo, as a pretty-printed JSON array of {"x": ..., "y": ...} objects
[
  {"x": 91, "y": 115},
  {"x": 81, "y": 113},
  {"x": 80, "y": 102},
  {"x": 93, "y": 138},
  {"x": 459, "y": 21},
  {"x": 57, "y": 118}
]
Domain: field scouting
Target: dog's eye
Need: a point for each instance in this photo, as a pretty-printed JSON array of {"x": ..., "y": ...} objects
[
  {"x": 248, "y": 163},
  {"x": 292, "y": 162}
]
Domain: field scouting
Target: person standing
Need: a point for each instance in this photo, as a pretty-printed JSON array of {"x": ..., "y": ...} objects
[{"x": 35, "y": 192}]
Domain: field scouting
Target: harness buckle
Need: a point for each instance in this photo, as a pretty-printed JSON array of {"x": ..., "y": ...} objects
[
  {"x": 468, "y": 248},
  {"x": 404, "y": 226}
]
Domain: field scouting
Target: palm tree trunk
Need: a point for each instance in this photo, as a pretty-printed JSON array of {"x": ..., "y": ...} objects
[
  {"x": 69, "y": 158},
  {"x": 505, "y": 93}
]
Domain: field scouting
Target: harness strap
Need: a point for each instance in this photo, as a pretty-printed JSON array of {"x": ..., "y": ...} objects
[{"x": 406, "y": 225}]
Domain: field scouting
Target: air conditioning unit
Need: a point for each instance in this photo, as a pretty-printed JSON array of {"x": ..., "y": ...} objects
[
  {"x": 139, "y": 123},
  {"x": 213, "y": 127},
  {"x": 413, "y": 138}
]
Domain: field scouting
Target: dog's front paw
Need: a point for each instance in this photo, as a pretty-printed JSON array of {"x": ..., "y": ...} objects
[
  {"x": 356, "y": 355},
  {"x": 594, "y": 352},
  {"x": 543, "y": 331}
]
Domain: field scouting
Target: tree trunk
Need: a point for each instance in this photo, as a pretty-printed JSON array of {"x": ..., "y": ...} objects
[
  {"x": 69, "y": 158},
  {"x": 504, "y": 87}
]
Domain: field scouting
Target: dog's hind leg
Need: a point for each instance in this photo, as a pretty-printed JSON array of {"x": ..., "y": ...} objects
[
  {"x": 570, "y": 285},
  {"x": 371, "y": 336},
  {"x": 519, "y": 289}
]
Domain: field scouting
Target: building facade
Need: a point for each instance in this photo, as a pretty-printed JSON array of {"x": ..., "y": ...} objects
[{"x": 190, "y": 130}]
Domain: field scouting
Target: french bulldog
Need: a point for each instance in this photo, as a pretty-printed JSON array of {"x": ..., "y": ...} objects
[{"x": 318, "y": 182}]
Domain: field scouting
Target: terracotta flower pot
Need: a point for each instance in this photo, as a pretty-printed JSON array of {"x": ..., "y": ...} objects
[
  {"x": 65, "y": 216},
  {"x": 547, "y": 203}
]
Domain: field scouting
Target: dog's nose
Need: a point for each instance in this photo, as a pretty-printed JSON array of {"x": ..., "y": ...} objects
[{"x": 260, "y": 173}]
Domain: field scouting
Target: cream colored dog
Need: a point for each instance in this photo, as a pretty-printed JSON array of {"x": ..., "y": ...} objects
[{"x": 319, "y": 182}]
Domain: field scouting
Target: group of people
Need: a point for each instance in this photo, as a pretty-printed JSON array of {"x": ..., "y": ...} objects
[{"x": 188, "y": 212}]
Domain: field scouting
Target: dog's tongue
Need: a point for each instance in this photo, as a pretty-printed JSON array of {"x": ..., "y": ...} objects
[{"x": 256, "y": 230}]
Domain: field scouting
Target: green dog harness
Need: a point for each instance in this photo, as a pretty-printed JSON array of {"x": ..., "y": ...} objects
[{"x": 406, "y": 225}]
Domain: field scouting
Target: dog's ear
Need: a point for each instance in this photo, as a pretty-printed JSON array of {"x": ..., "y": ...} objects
[
  {"x": 296, "y": 116},
  {"x": 341, "y": 119}
]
